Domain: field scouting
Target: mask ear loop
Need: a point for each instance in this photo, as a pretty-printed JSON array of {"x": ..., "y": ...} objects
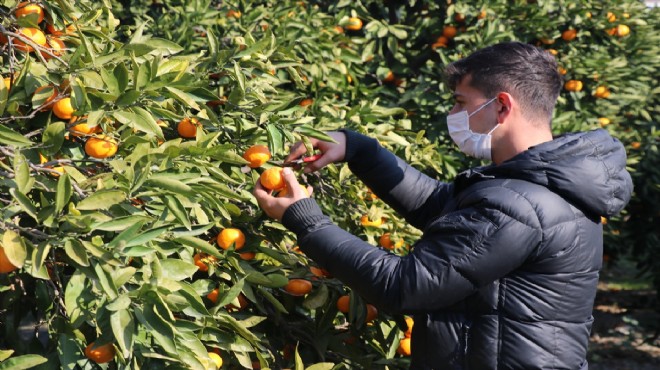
[{"x": 483, "y": 106}]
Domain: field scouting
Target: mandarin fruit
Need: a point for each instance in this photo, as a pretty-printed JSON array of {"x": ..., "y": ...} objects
[
  {"x": 101, "y": 353},
  {"x": 272, "y": 179},
  {"x": 257, "y": 155},
  {"x": 230, "y": 236},
  {"x": 298, "y": 287},
  {"x": 102, "y": 146}
]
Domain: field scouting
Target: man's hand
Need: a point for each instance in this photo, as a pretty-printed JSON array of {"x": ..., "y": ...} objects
[
  {"x": 332, "y": 152},
  {"x": 276, "y": 206}
]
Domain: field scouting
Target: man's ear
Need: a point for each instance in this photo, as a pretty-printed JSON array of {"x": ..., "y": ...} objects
[{"x": 505, "y": 102}]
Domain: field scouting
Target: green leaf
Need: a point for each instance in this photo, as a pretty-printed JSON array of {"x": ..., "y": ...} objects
[
  {"x": 14, "y": 247},
  {"x": 139, "y": 119},
  {"x": 53, "y": 137},
  {"x": 312, "y": 132},
  {"x": 299, "y": 362},
  {"x": 78, "y": 299},
  {"x": 200, "y": 244},
  {"x": 22, "y": 173},
  {"x": 158, "y": 327},
  {"x": 24, "y": 202},
  {"x": 177, "y": 269},
  {"x": 123, "y": 327},
  {"x": 102, "y": 199},
  {"x": 145, "y": 237},
  {"x": 105, "y": 281},
  {"x": 76, "y": 251},
  {"x": 121, "y": 76},
  {"x": 316, "y": 298},
  {"x": 321, "y": 366},
  {"x": 39, "y": 255},
  {"x": 11, "y": 137},
  {"x": 128, "y": 98},
  {"x": 274, "y": 301},
  {"x": 120, "y": 303},
  {"x": 172, "y": 185},
  {"x": 183, "y": 97},
  {"x": 110, "y": 82},
  {"x": 178, "y": 210},
  {"x": 121, "y": 223},
  {"x": 275, "y": 139},
  {"x": 22, "y": 362},
  {"x": 64, "y": 191}
]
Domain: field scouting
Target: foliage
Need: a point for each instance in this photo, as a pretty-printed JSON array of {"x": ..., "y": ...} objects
[{"x": 105, "y": 247}]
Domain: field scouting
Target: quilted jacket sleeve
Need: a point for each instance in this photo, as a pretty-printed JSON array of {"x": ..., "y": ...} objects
[
  {"x": 415, "y": 196},
  {"x": 464, "y": 250}
]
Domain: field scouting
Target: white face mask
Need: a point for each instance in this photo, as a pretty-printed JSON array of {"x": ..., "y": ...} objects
[{"x": 471, "y": 143}]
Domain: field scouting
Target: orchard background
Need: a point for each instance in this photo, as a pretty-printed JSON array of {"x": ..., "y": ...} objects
[{"x": 111, "y": 209}]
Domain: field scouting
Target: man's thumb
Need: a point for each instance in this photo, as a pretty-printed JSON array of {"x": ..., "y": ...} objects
[{"x": 289, "y": 178}]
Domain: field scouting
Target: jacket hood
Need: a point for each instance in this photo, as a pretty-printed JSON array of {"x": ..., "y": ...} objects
[{"x": 588, "y": 169}]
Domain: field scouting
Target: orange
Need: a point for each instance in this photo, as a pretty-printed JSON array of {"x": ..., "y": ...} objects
[
  {"x": 553, "y": 51},
  {"x": 441, "y": 42},
  {"x": 635, "y": 145},
  {"x": 562, "y": 71},
  {"x": 272, "y": 179},
  {"x": 318, "y": 272},
  {"x": 298, "y": 287},
  {"x": 603, "y": 121},
  {"x": 217, "y": 360},
  {"x": 100, "y": 354},
  {"x": 5, "y": 265},
  {"x": 46, "y": 104},
  {"x": 247, "y": 256},
  {"x": 344, "y": 303},
  {"x": 602, "y": 92},
  {"x": 573, "y": 85},
  {"x": 569, "y": 35},
  {"x": 365, "y": 221},
  {"x": 55, "y": 46},
  {"x": 547, "y": 41},
  {"x": 33, "y": 34},
  {"x": 25, "y": 8},
  {"x": 372, "y": 313},
  {"x": 449, "y": 32},
  {"x": 242, "y": 303},
  {"x": 458, "y": 17},
  {"x": 404, "y": 347},
  {"x": 63, "y": 108},
  {"x": 82, "y": 129},
  {"x": 202, "y": 261},
  {"x": 482, "y": 15},
  {"x": 354, "y": 24},
  {"x": 257, "y": 155},
  {"x": 102, "y": 146},
  {"x": 187, "y": 127},
  {"x": 339, "y": 29},
  {"x": 409, "y": 325},
  {"x": 284, "y": 192},
  {"x": 386, "y": 242},
  {"x": 306, "y": 102},
  {"x": 7, "y": 81},
  {"x": 622, "y": 30},
  {"x": 611, "y": 17},
  {"x": 611, "y": 31},
  {"x": 389, "y": 77},
  {"x": 603, "y": 220},
  {"x": 233, "y": 14},
  {"x": 70, "y": 29},
  {"x": 213, "y": 295},
  {"x": 230, "y": 236}
]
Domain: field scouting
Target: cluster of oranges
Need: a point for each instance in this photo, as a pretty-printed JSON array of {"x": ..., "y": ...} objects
[{"x": 49, "y": 44}]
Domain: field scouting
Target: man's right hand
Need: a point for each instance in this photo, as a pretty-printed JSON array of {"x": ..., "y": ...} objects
[{"x": 331, "y": 152}]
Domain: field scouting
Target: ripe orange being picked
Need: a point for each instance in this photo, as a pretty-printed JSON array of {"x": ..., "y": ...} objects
[
  {"x": 100, "y": 354},
  {"x": 26, "y": 8},
  {"x": 257, "y": 155},
  {"x": 33, "y": 34},
  {"x": 187, "y": 127},
  {"x": 298, "y": 287},
  {"x": 63, "y": 108},
  {"x": 5, "y": 265},
  {"x": 230, "y": 236},
  {"x": 272, "y": 179},
  {"x": 102, "y": 146}
]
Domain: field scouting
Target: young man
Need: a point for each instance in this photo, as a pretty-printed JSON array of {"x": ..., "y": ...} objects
[{"x": 505, "y": 274}]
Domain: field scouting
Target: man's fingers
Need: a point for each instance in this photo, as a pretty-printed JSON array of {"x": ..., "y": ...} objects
[
  {"x": 297, "y": 150},
  {"x": 317, "y": 164}
]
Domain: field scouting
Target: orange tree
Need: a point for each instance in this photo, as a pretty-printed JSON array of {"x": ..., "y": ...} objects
[{"x": 122, "y": 133}]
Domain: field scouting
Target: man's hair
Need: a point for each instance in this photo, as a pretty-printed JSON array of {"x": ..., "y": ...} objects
[{"x": 526, "y": 72}]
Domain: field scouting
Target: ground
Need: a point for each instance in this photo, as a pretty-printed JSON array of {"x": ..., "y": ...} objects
[{"x": 626, "y": 331}]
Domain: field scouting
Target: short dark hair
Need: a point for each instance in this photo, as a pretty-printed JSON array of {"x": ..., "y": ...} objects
[{"x": 526, "y": 72}]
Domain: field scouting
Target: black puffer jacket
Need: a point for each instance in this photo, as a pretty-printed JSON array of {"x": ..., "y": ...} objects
[{"x": 505, "y": 274}]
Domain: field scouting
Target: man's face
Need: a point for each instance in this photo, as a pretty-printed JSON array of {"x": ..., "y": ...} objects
[{"x": 469, "y": 99}]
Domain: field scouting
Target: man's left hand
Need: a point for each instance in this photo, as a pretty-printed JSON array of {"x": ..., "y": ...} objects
[{"x": 276, "y": 206}]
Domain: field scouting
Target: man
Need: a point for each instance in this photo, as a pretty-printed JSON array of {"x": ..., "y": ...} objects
[{"x": 505, "y": 273}]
